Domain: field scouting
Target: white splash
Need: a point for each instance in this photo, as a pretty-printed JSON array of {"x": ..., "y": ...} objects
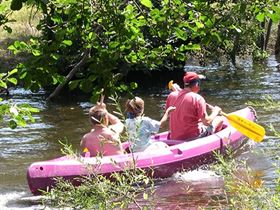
[
  {"x": 196, "y": 175},
  {"x": 18, "y": 201}
]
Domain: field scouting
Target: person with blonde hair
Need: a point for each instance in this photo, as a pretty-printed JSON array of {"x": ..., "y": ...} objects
[{"x": 140, "y": 128}]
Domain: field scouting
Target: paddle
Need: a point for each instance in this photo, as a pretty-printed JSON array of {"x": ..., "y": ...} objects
[
  {"x": 102, "y": 96},
  {"x": 247, "y": 127}
]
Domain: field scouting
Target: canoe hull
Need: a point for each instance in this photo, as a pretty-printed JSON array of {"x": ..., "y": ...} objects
[{"x": 178, "y": 157}]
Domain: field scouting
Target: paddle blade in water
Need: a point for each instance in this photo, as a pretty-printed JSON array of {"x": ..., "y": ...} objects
[{"x": 247, "y": 127}]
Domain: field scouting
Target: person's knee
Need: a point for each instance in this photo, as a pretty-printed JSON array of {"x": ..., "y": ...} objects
[{"x": 218, "y": 124}]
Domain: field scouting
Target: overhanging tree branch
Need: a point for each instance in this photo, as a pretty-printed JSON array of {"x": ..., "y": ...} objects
[{"x": 70, "y": 75}]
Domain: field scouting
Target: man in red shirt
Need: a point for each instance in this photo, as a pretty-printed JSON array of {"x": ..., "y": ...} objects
[{"x": 190, "y": 119}]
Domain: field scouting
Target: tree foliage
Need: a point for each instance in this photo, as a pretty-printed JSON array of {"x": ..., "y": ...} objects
[{"x": 93, "y": 44}]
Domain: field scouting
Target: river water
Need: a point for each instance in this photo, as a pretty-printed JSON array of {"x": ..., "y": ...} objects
[{"x": 67, "y": 120}]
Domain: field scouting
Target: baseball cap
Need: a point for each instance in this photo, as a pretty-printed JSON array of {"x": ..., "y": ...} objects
[{"x": 189, "y": 76}]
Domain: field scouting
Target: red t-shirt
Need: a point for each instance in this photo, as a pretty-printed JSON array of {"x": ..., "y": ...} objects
[{"x": 185, "y": 121}]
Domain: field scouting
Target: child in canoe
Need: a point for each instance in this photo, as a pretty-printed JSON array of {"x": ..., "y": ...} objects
[
  {"x": 103, "y": 139},
  {"x": 140, "y": 128}
]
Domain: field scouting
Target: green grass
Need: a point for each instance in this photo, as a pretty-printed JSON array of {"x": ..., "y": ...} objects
[{"x": 23, "y": 24}]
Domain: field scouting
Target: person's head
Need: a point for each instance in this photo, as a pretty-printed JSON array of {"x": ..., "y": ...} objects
[
  {"x": 192, "y": 80},
  {"x": 134, "y": 107},
  {"x": 98, "y": 116}
]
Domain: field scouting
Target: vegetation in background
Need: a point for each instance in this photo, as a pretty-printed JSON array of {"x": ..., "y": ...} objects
[{"x": 93, "y": 44}]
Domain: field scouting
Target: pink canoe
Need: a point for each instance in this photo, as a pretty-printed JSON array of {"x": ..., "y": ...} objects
[{"x": 178, "y": 156}]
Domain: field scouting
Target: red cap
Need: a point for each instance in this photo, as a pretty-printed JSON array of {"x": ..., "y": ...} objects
[{"x": 189, "y": 76}]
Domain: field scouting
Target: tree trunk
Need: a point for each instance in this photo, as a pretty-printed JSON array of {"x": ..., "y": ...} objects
[
  {"x": 268, "y": 33},
  {"x": 261, "y": 39},
  {"x": 277, "y": 43}
]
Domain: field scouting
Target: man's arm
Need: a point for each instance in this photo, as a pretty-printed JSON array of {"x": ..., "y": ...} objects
[
  {"x": 116, "y": 124},
  {"x": 207, "y": 119}
]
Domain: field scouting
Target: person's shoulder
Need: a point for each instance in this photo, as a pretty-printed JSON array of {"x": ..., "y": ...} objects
[
  {"x": 86, "y": 137},
  {"x": 198, "y": 97},
  {"x": 146, "y": 118},
  {"x": 174, "y": 93}
]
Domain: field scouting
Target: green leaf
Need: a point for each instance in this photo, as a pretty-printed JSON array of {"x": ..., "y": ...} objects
[
  {"x": 12, "y": 80},
  {"x": 3, "y": 84},
  {"x": 181, "y": 34},
  {"x": 274, "y": 17},
  {"x": 55, "y": 56},
  {"x": 16, "y": 4},
  {"x": 54, "y": 80},
  {"x": 73, "y": 84},
  {"x": 23, "y": 75},
  {"x": 147, "y": 3},
  {"x": 12, "y": 72},
  {"x": 145, "y": 196},
  {"x": 199, "y": 24},
  {"x": 67, "y": 42},
  {"x": 133, "y": 85},
  {"x": 20, "y": 121},
  {"x": 91, "y": 36},
  {"x": 36, "y": 52},
  {"x": 190, "y": 46},
  {"x": 216, "y": 36},
  {"x": 260, "y": 17},
  {"x": 12, "y": 124},
  {"x": 113, "y": 45}
]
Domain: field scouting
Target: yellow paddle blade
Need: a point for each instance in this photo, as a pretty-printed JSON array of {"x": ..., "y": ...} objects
[
  {"x": 170, "y": 83},
  {"x": 246, "y": 127},
  {"x": 85, "y": 149}
]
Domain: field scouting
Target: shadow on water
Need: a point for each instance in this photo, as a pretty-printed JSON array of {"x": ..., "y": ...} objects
[{"x": 227, "y": 88}]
